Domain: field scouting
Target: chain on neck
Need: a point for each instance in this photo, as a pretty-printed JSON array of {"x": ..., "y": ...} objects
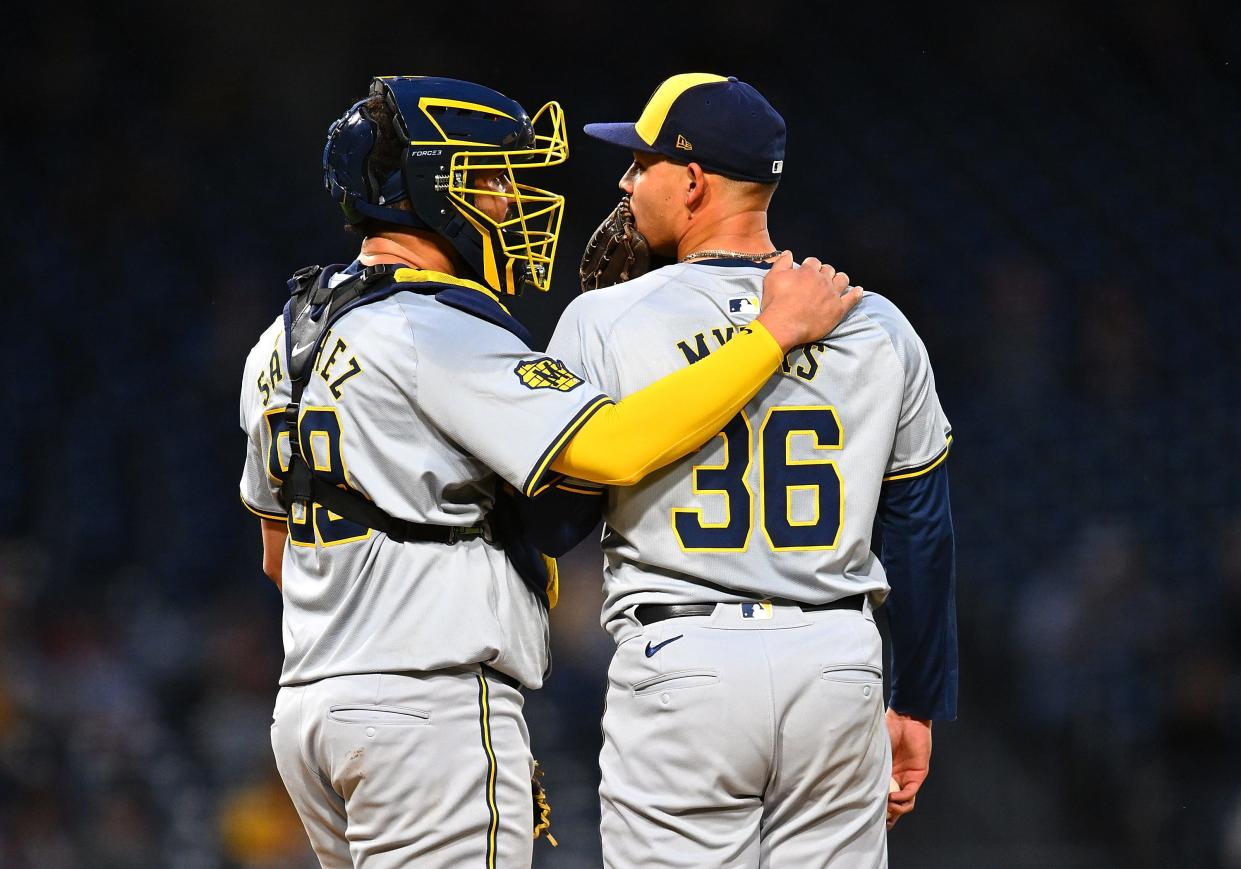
[{"x": 729, "y": 254}]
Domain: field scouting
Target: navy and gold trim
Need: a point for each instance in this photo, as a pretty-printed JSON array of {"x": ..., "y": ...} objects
[
  {"x": 566, "y": 434},
  {"x": 484, "y": 723},
  {"x": 545, "y": 485},
  {"x": 925, "y": 467},
  {"x": 427, "y": 276},
  {"x": 561, "y": 483},
  {"x": 578, "y": 490},
  {"x": 264, "y": 514},
  {"x": 468, "y": 296}
]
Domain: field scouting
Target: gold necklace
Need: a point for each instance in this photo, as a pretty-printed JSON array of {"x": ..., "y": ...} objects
[{"x": 728, "y": 254}]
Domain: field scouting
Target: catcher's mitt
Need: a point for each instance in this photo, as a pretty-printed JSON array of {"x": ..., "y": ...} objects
[{"x": 617, "y": 252}]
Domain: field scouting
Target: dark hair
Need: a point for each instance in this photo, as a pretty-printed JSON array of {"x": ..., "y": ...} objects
[{"x": 385, "y": 158}]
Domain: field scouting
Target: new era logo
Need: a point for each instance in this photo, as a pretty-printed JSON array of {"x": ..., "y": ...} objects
[
  {"x": 683, "y": 143},
  {"x": 777, "y": 167}
]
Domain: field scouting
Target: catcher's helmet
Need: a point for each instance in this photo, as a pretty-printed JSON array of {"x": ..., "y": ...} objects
[{"x": 452, "y": 129}]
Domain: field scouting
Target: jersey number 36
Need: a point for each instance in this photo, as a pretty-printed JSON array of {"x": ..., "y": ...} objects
[{"x": 785, "y": 485}]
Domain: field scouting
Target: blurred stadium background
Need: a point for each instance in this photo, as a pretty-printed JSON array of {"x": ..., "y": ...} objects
[{"x": 1051, "y": 192}]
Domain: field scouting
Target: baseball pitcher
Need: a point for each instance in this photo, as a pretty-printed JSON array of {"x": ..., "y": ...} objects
[{"x": 745, "y": 722}]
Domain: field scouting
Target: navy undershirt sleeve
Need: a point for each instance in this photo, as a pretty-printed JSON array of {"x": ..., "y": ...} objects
[
  {"x": 556, "y": 520},
  {"x": 915, "y": 543}
]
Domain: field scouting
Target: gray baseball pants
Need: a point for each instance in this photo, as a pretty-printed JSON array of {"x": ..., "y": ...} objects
[
  {"x": 732, "y": 740},
  {"x": 408, "y": 769}
]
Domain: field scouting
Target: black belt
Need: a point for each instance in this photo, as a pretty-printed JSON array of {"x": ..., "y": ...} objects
[
  {"x": 492, "y": 673},
  {"x": 649, "y": 613}
]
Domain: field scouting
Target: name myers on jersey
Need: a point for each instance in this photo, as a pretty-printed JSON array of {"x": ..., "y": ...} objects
[
  {"x": 800, "y": 362},
  {"x": 329, "y": 365}
]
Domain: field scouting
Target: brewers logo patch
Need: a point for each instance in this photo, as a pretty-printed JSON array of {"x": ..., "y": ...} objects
[{"x": 547, "y": 373}]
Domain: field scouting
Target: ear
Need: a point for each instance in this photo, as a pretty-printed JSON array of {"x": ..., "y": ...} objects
[{"x": 695, "y": 187}]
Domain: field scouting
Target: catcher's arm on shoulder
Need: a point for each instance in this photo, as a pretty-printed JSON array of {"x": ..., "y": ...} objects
[
  {"x": 621, "y": 443},
  {"x": 672, "y": 417}
]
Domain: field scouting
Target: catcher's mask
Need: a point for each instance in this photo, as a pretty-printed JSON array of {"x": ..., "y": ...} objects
[{"x": 455, "y": 130}]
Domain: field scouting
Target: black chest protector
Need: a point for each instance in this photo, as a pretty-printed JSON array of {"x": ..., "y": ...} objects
[{"x": 312, "y": 310}]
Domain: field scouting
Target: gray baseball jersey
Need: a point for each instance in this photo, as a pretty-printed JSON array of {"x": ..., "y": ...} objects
[
  {"x": 778, "y": 507},
  {"x": 419, "y": 407},
  {"x": 781, "y": 503}
]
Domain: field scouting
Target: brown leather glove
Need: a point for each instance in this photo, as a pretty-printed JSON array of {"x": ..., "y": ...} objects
[{"x": 617, "y": 252}]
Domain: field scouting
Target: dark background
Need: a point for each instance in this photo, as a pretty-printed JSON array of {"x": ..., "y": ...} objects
[{"x": 1050, "y": 192}]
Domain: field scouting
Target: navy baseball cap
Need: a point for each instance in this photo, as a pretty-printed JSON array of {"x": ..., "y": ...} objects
[{"x": 722, "y": 124}]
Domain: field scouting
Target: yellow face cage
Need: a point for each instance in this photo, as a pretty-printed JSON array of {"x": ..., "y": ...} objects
[{"x": 529, "y": 230}]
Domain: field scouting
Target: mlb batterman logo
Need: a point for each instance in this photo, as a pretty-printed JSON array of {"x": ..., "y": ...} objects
[
  {"x": 760, "y": 610},
  {"x": 547, "y": 373}
]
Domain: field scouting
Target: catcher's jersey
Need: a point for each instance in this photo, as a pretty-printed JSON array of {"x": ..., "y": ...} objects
[
  {"x": 418, "y": 406},
  {"x": 781, "y": 503}
]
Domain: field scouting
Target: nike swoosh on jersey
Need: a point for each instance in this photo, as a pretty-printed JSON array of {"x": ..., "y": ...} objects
[{"x": 651, "y": 650}]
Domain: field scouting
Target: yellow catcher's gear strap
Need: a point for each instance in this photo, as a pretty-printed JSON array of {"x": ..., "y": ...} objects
[{"x": 672, "y": 417}]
